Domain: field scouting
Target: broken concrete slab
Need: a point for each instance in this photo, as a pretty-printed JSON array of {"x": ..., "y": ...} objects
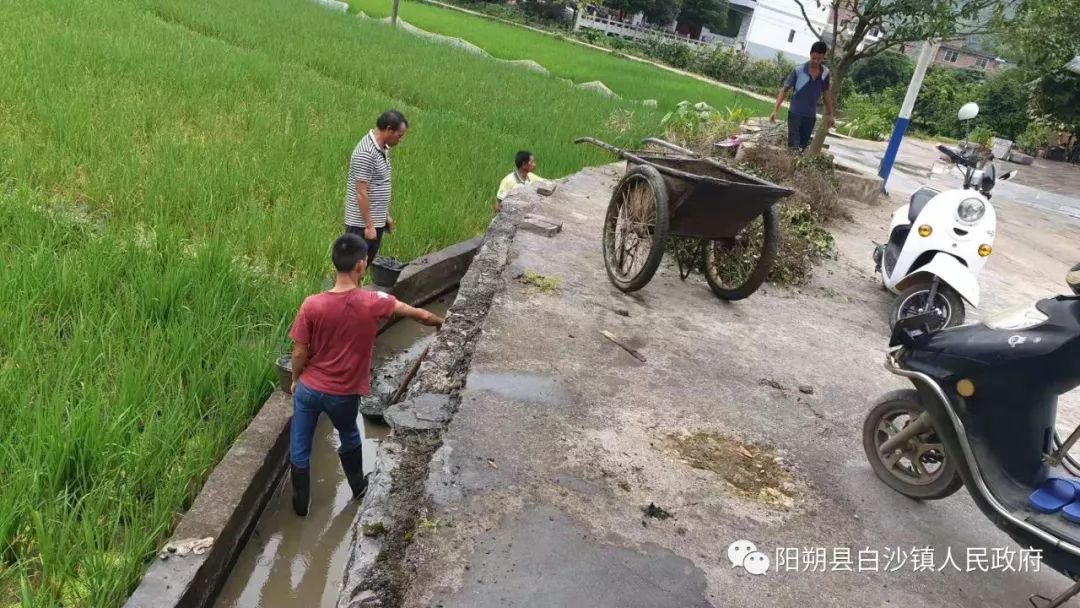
[
  {"x": 429, "y": 276},
  {"x": 540, "y": 226},
  {"x": 859, "y": 186},
  {"x": 547, "y": 188},
  {"x": 421, "y": 413}
]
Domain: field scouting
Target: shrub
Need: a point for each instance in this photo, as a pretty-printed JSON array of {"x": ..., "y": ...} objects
[
  {"x": 804, "y": 240},
  {"x": 876, "y": 74},
  {"x": 868, "y": 116},
  {"x": 700, "y": 125},
  {"x": 1036, "y": 136}
]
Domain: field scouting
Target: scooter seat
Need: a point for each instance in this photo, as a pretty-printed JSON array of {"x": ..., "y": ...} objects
[{"x": 1054, "y": 495}]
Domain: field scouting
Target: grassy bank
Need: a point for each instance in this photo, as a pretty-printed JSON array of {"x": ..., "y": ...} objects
[
  {"x": 172, "y": 175},
  {"x": 625, "y": 77}
]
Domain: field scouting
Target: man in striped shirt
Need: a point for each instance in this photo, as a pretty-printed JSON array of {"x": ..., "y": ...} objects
[{"x": 367, "y": 196}]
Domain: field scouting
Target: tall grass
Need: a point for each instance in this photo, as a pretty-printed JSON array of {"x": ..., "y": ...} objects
[
  {"x": 625, "y": 77},
  {"x": 127, "y": 364},
  {"x": 171, "y": 175}
]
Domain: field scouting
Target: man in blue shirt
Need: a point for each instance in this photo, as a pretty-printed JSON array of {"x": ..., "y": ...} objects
[{"x": 810, "y": 82}]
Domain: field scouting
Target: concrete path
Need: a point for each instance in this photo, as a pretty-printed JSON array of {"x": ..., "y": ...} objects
[
  {"x": 1049, "y": 185},
  {"x": 537, "y": 495}
]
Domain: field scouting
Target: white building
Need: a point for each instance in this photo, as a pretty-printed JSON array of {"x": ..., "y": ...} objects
[
  {"x": 778, "y": 26},
  {"x": 760, "y": 28}
]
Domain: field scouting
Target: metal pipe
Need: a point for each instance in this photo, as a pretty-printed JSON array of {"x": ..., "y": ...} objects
[{"x": 919, "y": 425}]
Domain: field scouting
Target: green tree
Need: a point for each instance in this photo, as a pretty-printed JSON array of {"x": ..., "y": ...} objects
[
  {"x": 661, "y": 12},
  {"x": 1045, "y": 34},
  {"x": 1044, "y": 37},
  {"x": 1057, "y": 96},
  {"x": 900, "y": 22},
  {"x": 873, "y": 75},
  {"x": 1004, "y": 103},
  {"x": 712, "y": 14},
  {"x": 943, "y": 91}
]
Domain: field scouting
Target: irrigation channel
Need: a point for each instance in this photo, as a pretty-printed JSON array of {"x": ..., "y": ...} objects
[{"x": 290, "y": 561}]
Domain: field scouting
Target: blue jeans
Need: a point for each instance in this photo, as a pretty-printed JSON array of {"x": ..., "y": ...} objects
[
  {"x": 308, "y": 404},
  {"x": 799, "y": 131}
]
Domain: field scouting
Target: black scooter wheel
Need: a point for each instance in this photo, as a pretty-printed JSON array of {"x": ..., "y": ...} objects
[{"x": 921, "y": 468}]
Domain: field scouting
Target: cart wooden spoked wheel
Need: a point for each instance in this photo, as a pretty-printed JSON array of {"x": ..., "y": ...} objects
[
  {"x": 735, "y": 267},
  {"x": 636, "y": 228}
]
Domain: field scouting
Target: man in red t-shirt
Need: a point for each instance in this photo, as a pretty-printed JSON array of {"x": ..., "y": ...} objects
[{"x": 333, "y": 337}]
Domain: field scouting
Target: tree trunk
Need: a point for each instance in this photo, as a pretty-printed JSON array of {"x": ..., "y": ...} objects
[{"x": 836, "y": 80}]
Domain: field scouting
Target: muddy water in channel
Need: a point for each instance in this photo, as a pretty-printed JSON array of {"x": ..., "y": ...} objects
[{"x": 291, "y": 561}]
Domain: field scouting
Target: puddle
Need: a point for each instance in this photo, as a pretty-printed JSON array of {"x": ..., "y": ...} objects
[
  {"x": 291, "y": 561},
  {"x": 532, "y": 388}
]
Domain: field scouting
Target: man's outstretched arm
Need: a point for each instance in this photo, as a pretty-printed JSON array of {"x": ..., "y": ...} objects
[{"x": 424, "y": 317}]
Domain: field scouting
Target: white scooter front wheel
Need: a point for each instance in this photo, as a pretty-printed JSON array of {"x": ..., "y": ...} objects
[{"x": 948, "y": 308}]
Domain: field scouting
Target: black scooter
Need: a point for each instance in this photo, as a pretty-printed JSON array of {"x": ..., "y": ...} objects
[{"x": 982, "y": 415}]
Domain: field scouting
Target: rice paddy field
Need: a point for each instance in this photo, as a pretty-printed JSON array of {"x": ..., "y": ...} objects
[
  {"x": 171, "y": 176},
  {"x": 626, "y": 77}
]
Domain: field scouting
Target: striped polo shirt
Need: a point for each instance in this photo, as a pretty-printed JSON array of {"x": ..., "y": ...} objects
[{"x": 370, "y": 164}]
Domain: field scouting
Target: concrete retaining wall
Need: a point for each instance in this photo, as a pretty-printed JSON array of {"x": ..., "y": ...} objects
[
  {"x": 237, "y": 491},
  {"x": 374, "y": 572},
  {"x": 859, "y": 186}
]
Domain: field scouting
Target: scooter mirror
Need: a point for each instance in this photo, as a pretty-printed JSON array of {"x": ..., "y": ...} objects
[
  {"x": 1073, "y": 279},
  {"x": 968, "y": 111}
]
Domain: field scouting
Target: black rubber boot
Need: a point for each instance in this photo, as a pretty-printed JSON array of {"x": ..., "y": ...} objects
[
  {"x": 352, "y": 462},
  {"x": 301, "y": 483}
]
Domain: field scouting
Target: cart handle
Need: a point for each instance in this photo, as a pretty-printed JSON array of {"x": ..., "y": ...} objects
[
  {"x": 670, "y": 146},
  {"x": 596, "y": 142},
  {"x": 782, "y": 191}
]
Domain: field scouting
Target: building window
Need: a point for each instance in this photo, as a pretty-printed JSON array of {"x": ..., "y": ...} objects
[
  {"x": 981, "y": 63},
  {"x": 791, "y": 36},
  {"x": 950, "y": 56}
]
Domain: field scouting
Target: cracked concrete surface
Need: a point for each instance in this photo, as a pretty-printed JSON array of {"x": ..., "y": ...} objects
[{"x": 559, "y": 440}]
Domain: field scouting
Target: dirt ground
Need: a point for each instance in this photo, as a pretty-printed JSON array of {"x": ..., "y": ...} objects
[{"x": 575, "y": 474}]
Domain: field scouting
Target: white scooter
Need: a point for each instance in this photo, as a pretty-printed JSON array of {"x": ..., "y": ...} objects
[{"x": 939, "y": 242}]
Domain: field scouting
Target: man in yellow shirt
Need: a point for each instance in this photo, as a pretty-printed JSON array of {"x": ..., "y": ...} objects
[{"x": 523, "y": 174}]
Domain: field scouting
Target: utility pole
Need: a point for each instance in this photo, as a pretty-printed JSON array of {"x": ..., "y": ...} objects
[
  {"x": 393, "y": 15},
  {"x": 926, "y": 56}
]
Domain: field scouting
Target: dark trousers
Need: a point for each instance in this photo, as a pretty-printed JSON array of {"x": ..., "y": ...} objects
[
  {"x": 372, "y": 246},
  {"x": 799, "y": 131}
]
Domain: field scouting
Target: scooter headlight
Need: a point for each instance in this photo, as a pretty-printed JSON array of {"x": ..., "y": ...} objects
[
  {"x": 971, "y": 210},
  {"x": 1017, "y": 319}
]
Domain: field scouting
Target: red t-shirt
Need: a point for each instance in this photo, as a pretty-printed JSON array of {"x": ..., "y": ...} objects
[{"x": 339, "y": 329}]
